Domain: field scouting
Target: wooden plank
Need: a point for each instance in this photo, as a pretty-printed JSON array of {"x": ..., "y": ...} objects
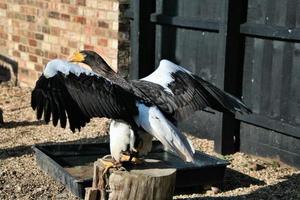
[
  {"x": 158, "y": 34},
  {"x": 276, "y": 74},
  {"x": 248, "y": 70},
  {"x": 271, "y": 124},
  {"x": 91, "y": 193},
  {"x": 265, "y": 66},
  {"x": 147, "y": 39},
  {"x": 134, "y": 40},
  {"x": 265, "y": 76},
  {"x": 185, "y": 22},
  {"x": 256, "y": 74},
  {"x": 222, "y": 144},
  {"x": 295, "y": 82},
  {"x": 227, "y": 139},
  {"x": 271, "y": 31},
  {"x": 287, "y": 63},
  {"x": 271, "y": 144}
]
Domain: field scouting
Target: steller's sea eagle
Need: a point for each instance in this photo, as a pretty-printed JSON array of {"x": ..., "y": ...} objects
[{"x": 151, "y": 105}]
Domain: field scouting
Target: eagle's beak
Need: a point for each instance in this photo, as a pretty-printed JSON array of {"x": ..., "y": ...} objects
[{"x": 77, "y": 57}]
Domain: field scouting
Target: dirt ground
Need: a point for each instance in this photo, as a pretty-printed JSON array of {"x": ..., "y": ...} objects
[{"x": 247, "y": 177}]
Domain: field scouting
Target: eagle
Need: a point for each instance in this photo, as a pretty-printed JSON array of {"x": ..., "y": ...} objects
[{"x": 139, "y": 109}]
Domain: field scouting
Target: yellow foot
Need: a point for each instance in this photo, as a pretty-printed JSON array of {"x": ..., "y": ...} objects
[
  {"x": 134, "y": 160},
  {"x": 109, "y": 163}
]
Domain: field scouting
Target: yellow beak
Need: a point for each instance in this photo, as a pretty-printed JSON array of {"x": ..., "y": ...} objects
[{"x": 77, "y": 57}]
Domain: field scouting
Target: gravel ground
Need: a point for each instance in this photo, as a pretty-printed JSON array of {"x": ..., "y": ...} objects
[{"x": 247, "y": 177}]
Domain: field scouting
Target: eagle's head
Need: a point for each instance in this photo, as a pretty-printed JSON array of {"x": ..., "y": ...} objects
[{"x": 92, "y": 59}]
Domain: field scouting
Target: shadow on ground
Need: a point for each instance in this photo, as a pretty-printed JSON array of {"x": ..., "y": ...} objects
[
  {"x": 232, "y": 180},
  {"x": 27, "y": 149},
  {"x": 14, "y": 124},
  {"x": 288, "y": 189}
]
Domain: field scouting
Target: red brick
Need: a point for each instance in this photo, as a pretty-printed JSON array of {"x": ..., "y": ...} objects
[
  {"x": 30, "y": 18},
  {"x": 102, "y": 42},
  {"x": 80, "y": 19},
  {"x": 46, "y": 29},
  {"x": 28, "y": 10},
  {"x": 52, "y": 55},
  {"x": 65, "y": 17},
  {"x": 15, "y": 23},
  {"x": 80, "y": 2},
  {"x": 32, "y": 58},
  {"x": 3, "y": 42},
  {"x": 65, "y": 1},
  {"x": 39, "y": 36},
  {"x": 45, "y": 61},
  {"x": 43, "y": 5},
  {"x": 24, "y": 71},
  {"x": 4, "y": 36},
  {"x": 101, "y": 32},
  {"x": 103, "y": 24},
  {"x": 3, "y": 5},
  {"x": 55, "y": 31},
  {"x": 31, "y": 50},
  {"x": 73, "y": 44},
  {"x": 22, "y": 48},
  {"x": 39, "y": 52},
  {"x": 16, "y": 54},
  {"x": 53, "y": 14},
  {"x": 31, "y": 35},
  {"x": 38, "y": 67},
  {"x": 88, "y": 47},
  {"x": 32, "y": 42},
  {"x": 73, "y": 10},
  {"x": 88, "y": 30},
  {"x": 65, "y": 51}
]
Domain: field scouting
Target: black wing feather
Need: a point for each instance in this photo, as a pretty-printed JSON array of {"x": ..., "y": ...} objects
[
  {"x": 105, "y": 98},
  {"x": 190, "y": 93},
  {"x": 79, "y": 98}
]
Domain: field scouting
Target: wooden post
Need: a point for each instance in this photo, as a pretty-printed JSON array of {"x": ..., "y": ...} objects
[{"x": 148, "y": 181}]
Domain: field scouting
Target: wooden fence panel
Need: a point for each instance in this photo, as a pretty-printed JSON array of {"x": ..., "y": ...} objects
[
  {"x": 271, "y": 80},
  {"x": 250, "y": 48}
]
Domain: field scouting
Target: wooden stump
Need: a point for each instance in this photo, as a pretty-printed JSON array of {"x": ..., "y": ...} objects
[{"x": 148, "y": 181}]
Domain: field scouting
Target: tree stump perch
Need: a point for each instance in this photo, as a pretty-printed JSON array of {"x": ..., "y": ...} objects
[{"x": 148, "y": 181}]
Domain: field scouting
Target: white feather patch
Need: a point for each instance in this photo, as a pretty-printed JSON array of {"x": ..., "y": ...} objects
[
  {"x": 162, "y": 75},
  {"x": 154, "y": 122},
  {"x": 64, "y": 67}
]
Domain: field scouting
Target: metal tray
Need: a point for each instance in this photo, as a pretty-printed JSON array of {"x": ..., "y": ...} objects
[{"x": 72, "y": 165}]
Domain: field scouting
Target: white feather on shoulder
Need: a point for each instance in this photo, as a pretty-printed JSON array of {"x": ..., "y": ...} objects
[{"x": 64, "y": 67}]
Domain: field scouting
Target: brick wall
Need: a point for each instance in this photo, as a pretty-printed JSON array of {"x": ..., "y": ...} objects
[{"x": 34, "y": 31}]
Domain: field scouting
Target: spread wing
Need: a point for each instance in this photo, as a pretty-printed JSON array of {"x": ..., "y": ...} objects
[
  {"x": 66, "y": 91},
  {"x": 178, "y": 92}
]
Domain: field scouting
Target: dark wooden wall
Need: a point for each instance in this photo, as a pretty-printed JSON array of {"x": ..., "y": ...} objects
[
  {"x": 271, "y": 85},
  {"x": 249, "y": 48}
]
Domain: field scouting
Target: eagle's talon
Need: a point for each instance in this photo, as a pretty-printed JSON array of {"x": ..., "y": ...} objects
[
  {"x": 132, "y": 159},
  {"x": 108, "y": 164}
]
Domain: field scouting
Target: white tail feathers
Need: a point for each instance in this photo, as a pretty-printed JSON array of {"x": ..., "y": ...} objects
[{"x": 154, "y": 122}]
